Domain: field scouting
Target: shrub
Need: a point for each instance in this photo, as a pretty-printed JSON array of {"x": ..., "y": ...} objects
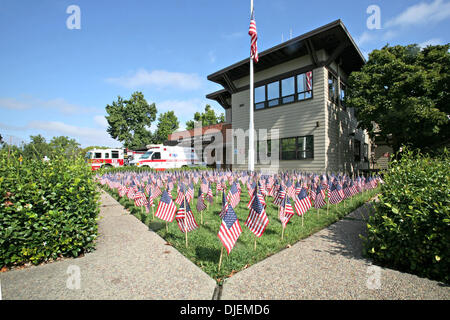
[
  {"x": 47, "y": 209},
  {"x": 410, "y": 230}
]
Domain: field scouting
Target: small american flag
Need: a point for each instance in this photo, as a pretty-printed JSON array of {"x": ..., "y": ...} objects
[
  {"x": 302, "y": 202},
  {"x": 286, "y": 211},
  {"x": 180, "y": 195},
  {"x": 166, "y": 208},
  {"x": 254, "y": 37},
  {"x": 257, "y": 220},
  {"x": 200, "y": 201},
  {"x": 233, "y": 196},
  {"x": 319, "y": 201},
  {"x": 334, "y": 196},
  {"x": 230, "y": 229},
  {"x": 185, "y": 218}
]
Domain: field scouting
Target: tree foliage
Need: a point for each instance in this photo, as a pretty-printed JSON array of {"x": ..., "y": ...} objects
[
  {"x": 129, "y": 120},
  {"x": 167, "y": 124},
  {"x": 208, "y": 117},
  {"x": 405, "y": 91},
  {"x": 65, "y": 145}
]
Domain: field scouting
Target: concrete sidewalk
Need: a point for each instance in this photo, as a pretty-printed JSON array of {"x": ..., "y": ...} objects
[
  {"x": 329, "y": 265},
  {"x": 130, "y": 262}
]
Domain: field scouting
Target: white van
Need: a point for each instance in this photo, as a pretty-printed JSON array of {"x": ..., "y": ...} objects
[{"x": 162, "y": 157}]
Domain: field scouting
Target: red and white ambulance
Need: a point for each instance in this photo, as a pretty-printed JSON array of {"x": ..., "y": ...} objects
[
  {"x": 162, "y": 157},
  {"x": 103, "y": 158}
]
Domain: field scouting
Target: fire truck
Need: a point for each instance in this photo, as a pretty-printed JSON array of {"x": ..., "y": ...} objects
[
  {"x": 161, "y": 157},
  {"x": 108, "y": 158}
]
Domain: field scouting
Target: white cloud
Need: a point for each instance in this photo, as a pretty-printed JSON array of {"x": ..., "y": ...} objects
[
  {"x": 159, "y": 79},
  {"x": 101, "y": 121},
  {"x": 85, "y": 136},
  {"x": 29, "y": 102},
  {"x": 364, "y": 38},
  {"x": 13, "y": 104},
  {"x": 431, "y": 42},
  {"x": 233, "y": 35},
  {"x": 421, "y": 13}
]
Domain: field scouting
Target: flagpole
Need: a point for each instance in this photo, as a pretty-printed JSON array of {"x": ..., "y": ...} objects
[{"x": 251, "y": 155}]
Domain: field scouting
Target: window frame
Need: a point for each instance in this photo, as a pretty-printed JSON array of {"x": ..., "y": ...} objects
[
  {"x": 262, "y": 105},
  {"x": 309, "y": 153}
]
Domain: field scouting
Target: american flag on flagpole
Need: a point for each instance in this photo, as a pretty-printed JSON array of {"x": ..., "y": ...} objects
[{"x": 254, "y": 37}]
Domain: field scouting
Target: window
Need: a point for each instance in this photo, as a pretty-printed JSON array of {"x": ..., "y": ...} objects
[
  {"x": 98, "y": 155},
  {"x": 156, "y": 156},
  {"x": 260, "y": 97},
  {"x": 107, "y": 155},
  {"x": 115, "y": 154},
  {"x": 297, "y": 148},
  {"x": 288, "y": 90},
  {"x": 267, "y": 145},
  {"x": 304, "y": 85},
  {"x": 357, "y": 150},
  {"x": 342, "y": 94},
  {"x": 366, "y": 152},
  {"x": 332, "y": 87},
  {"x": 273, "y": 94}
]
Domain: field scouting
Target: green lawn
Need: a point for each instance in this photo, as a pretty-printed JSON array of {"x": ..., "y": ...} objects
[{"x": 204, "y": 245}]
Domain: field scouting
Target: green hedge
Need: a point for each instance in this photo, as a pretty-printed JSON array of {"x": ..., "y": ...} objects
[
  {"x": 410, "y": 230},
  {"x": 47, "y": 209}
]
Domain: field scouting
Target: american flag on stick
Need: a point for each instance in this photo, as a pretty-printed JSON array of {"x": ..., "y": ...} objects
[
  {"x": 230, "y": 229},
  {"x": 302, "y": 202},
  {"x": 257, "y": 220},
  {"x": 185, "y": 218},
  {"x": 166, "y": 208}
]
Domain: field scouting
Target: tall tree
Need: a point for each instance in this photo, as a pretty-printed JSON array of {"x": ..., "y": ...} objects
[
  {"x": 208, "y": 117},
  {"x": 167, "y": 124},
  {"x": 404, "y": 90},
  {"x": 70, "y": 147},
  {"x": 129, "y": 120},
  {"x": 37, "y": 148}
]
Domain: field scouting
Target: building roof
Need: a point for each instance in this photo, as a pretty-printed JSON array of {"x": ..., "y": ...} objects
[
  {"x": 200, "y": 131},
  {"x": 334, "y": 38}
]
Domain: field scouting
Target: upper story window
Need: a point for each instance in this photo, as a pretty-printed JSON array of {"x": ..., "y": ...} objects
[
  {"x": 332, "y": 88},
  {"x": 273, "y": 94},
  {"x": 260, "y": 97},
  {"x": 342, "y": 94},
  {"x": 284, "y": 91},
  {"x": 288, "y": 90},
  {"x": 304, "y": 85},
  {"x": 357, "y": 150}
]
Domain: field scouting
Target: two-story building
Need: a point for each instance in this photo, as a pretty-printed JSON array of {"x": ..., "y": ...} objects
[{"x": 299, "y": 89}]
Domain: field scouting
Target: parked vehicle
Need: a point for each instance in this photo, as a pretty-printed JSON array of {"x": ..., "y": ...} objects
[{"x": 162, "y": 157}]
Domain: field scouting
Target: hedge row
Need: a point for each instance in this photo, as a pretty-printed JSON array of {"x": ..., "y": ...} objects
[
  {"x": 47, "y": 209},
  {"x": 411, "y": 228}
]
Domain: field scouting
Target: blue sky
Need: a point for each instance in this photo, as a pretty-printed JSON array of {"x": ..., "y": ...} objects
[{"x": 56, "y": 81}]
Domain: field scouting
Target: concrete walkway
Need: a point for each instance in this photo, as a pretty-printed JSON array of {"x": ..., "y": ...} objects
[
  {"x": 132, "y": 262},
  {"x": 329, "y": 265}
]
